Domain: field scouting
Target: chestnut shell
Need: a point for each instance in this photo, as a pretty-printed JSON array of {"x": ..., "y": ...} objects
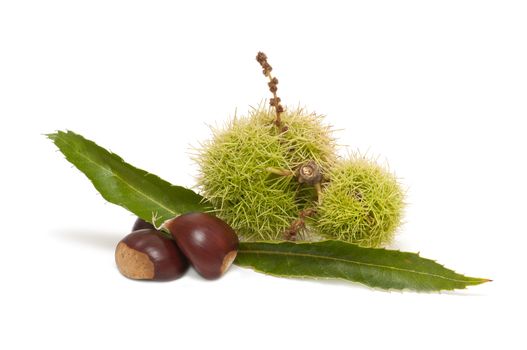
[
  {"x": 141, "y": 224},
  {"x": 148, "y": 254},
  {"x": 207, "y": 241}
]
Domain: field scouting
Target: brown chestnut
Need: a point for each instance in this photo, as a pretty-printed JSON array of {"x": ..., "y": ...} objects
[
  {"x": 148, "y": 255},
  {"x": 208, "y": 242},
  {"x": 141, "y": 224}
]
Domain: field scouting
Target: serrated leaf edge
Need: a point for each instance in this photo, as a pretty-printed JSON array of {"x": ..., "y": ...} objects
[
  {"x": 474, "y": 281},
  {"x": 54, "y": 137}
]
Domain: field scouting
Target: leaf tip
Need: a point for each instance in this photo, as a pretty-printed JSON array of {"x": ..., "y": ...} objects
[
  {"x": 51, "y": 136},
  {"x": 477, "y": 281},
  {"x": 54, "y": 135}
]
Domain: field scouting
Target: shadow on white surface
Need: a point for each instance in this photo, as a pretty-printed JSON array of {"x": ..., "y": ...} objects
[
  {"x": 102, "y": 240},
  {"x": 464, "y": 292},
  {"x": 360, "y": 286}
]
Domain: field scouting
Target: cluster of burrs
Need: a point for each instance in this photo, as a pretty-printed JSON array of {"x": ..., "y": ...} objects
[{"x": 274, "y": 174}]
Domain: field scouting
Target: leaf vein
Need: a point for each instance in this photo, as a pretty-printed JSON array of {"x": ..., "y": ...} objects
[{"x": 352, "y": 262}]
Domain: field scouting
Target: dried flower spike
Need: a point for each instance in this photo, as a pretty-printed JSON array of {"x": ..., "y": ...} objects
[{"x": 273, "y": 87}]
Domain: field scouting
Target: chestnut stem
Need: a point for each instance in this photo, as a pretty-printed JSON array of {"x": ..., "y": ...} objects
[{"x": 281, "y": 172}]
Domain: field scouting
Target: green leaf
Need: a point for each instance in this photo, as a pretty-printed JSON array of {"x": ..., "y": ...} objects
[
  {"x": 378, "y": 268},
  {"x": 142, "y": 193}
]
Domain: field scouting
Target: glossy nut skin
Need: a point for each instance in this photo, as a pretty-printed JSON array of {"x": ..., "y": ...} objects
[
  {"x": 208, "y": 242},
  {"x": 141, "y": 224},
  {"x": 148, "y": 255}
]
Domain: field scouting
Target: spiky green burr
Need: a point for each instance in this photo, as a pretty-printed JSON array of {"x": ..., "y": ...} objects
[
  {"x": 362, "y": 203},
  {"x": 234, "y": 169}
]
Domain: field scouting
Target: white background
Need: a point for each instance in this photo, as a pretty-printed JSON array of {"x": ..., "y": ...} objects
[{"x": 436, "y": 89}]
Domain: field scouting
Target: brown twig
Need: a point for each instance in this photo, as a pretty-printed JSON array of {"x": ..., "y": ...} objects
[
  {"x": 273, "y": 87},
  {"x": 298, "y": 224}
]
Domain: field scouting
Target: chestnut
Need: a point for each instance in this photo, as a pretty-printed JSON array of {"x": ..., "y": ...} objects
[
  {"x": 141, "y": 224},
  {"x": 149, "y": 255},
  {"x": 208, "y": 242}
]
